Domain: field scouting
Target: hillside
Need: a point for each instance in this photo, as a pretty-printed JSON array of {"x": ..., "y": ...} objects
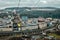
[{"x": 36, "y": 11}]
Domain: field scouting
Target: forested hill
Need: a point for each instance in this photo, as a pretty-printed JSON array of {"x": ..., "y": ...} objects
[{"x": 36, "y": 11}]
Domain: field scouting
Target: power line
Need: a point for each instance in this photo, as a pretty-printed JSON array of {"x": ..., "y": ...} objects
[
  {"x": 19, "y": 2},
  {"x": 37, "y": 2},
  {"x": 32, "y": 1}
]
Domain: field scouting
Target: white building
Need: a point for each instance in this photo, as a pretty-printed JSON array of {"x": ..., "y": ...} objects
[
  {"x": 30, "y": 27},
  {"x": 42, "y": 25},
  {"x": 49, "y": 19},
  {"x": 5, "y": 22}
]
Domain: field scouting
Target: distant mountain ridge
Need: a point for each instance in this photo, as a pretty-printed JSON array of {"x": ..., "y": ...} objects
[
  {"x": 23, "y": 8},
  {"x": 32, "y": 8}
]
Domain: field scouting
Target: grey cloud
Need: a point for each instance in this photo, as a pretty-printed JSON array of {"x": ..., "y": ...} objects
[{"x": 24, "y": 3}]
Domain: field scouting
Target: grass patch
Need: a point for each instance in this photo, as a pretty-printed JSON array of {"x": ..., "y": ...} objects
[{"x": 55, "y": 35}]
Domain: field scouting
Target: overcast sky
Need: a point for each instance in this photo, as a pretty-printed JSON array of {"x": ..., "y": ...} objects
[{"x": 29, "y": 3}]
